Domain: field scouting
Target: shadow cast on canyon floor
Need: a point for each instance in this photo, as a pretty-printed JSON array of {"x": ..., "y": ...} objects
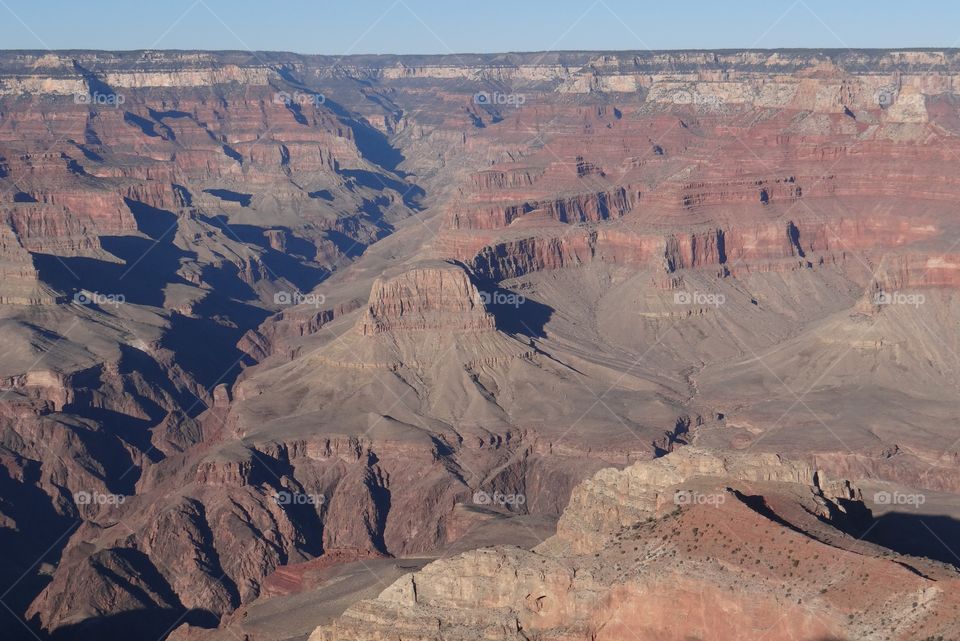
[
  {"x": 39, "y": 538},
  {"x": 928, "y": 535},
  {"x": 516, "y": 314},
  {"x": 135, "y": 624}
]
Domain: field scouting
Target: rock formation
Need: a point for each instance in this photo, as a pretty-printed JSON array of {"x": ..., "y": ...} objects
[
  {"x": 267, "y": 316},
  {"x": 691, "y": 545}
]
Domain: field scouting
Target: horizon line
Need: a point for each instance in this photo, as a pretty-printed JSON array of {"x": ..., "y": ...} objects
[{"x": 906, "y": 49}]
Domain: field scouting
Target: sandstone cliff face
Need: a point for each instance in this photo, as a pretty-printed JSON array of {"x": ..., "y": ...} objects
[
  {"x": 592, "y": 207},
  {"x": 434, "y": 297},
  {"x": 613, "y": 500}
]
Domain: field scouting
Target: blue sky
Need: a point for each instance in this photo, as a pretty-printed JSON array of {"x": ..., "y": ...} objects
[{"x": 444, "y": 26}]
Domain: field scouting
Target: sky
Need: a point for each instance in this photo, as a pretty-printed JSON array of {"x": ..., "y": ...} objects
[{"x": 454, "y": 26}]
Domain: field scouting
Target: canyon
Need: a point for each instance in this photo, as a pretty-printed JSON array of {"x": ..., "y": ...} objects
[{"x": 419, "y": 347}]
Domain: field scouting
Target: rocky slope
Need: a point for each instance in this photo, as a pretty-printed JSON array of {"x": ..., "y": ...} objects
[
  {"x": 691, "y": 545},
  {"x": 271, "y": 310}
]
